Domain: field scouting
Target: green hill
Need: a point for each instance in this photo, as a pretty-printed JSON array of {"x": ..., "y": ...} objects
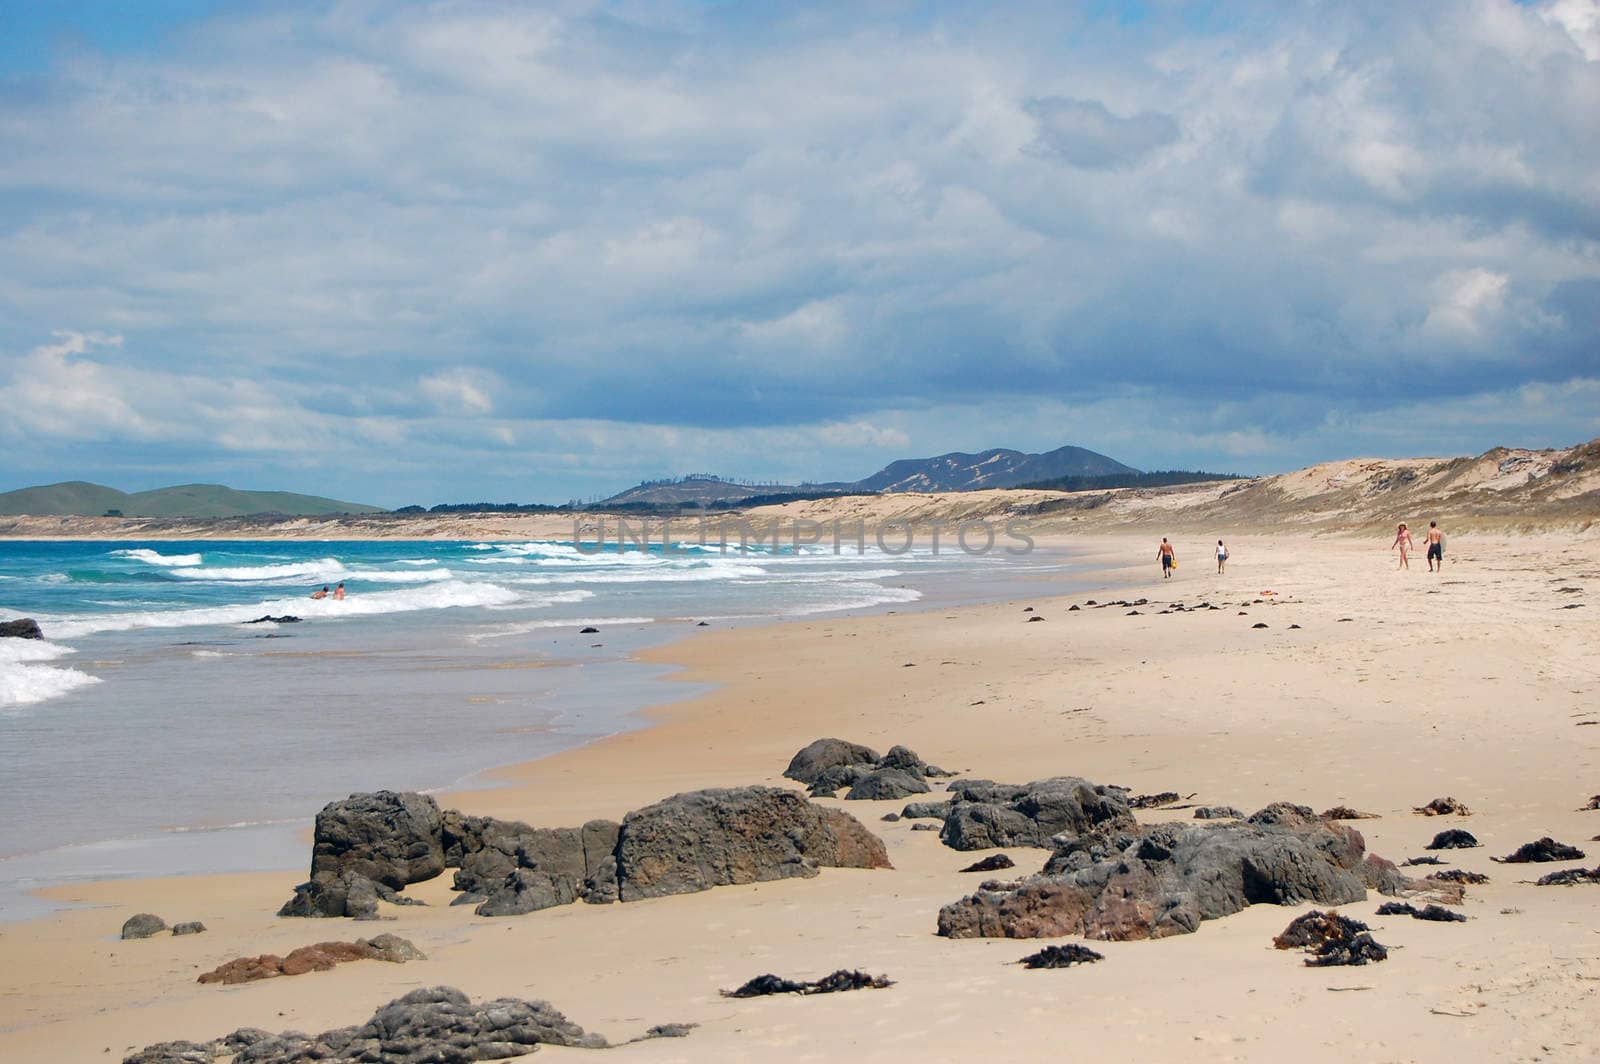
[{"x": 80, "y": 499}]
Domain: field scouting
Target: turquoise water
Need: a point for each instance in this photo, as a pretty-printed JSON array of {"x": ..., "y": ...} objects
[{"x": 156, "y": 729}]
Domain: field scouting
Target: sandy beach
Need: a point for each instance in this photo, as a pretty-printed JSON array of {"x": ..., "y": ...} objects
[{"x": 1397, "y": 688}]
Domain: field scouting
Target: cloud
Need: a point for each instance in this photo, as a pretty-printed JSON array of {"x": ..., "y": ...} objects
[
  {"x": 409, "y": 236},
  {"x": 1085, "y": 133}
]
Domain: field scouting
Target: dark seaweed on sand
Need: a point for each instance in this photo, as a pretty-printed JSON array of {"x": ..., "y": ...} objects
[
  {"x": 843, "y": 979},
  {"x": 993, "y": 863},
  {"x": 1457, "y": 875},
  {"x": 1331, "y": 940},
  {"x": 1430, "y": 912},
  {"x": 1453, "y": 839},
  {"x": 1543, "y": 850},
  {"x": 1569, "y": 877},
  {"x": 1061, "y": 957}
]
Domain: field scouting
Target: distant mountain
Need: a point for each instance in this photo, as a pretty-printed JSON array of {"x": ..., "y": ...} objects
[
  {"x": 81, "y": 499},
  {"x": 998, "y": 468}
]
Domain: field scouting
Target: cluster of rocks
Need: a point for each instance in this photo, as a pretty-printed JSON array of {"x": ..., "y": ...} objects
[
  {"x": 316, "y": 958},
  {"x": 144, "y": 925},
  {"x": 435, "y": 1025},
  {"x": 985, "y": 815},
  {"x": 1111, "y": 878},
  {"x": 369, "y": 847},
  {"x": 827, "y": 765}
]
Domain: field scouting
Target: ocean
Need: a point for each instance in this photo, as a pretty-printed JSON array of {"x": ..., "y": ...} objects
[{"x": 165, "y": 725}]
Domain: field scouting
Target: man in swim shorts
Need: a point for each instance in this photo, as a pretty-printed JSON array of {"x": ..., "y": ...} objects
[
  {"x": 1168, "y": 558},
  {"x": 1435, "y": 547}
]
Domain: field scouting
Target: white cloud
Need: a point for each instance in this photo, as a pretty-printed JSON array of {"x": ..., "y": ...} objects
[
  {"x": 1465, "y": 303},
  {"x": 459, "y": 391}
]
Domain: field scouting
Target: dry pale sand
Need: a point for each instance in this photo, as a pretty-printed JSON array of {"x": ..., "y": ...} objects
[{"x": 1474, "y": 684}]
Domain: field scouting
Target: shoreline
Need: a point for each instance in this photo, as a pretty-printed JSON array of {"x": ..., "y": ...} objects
[{"x": 1469, "y": 685}]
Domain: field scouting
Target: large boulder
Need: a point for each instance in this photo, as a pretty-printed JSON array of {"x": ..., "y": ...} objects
[
  {"x": 811, "y": 762},
  {"x": 143, "y": 925},
  {"x": 985, "y": 815},
  {"x": 1165, "y": 880},
  {"x": 388, "y": 837},
  {"x": 886, "y": 783},
  {"x": 21, "y": 628},
  {"x": 702, "y": 839}
]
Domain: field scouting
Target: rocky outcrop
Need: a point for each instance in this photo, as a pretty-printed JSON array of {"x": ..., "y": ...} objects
[
  {"x": 688, "y": 842},
  {"x": 1130, "y": 883},
  {"x": 143, "y": 925},
  {"x": 367, "y": 847},
  {"x": 316, "y": 958},
  {"x": 709, "y": 838},
  {"x": 985, "y": 815},
  {"x": 435, "y": 1025},
  {"x": 21, "y": 628},
  {"x": 829, "y": 764},
  {"x": 886, "y": 783}
]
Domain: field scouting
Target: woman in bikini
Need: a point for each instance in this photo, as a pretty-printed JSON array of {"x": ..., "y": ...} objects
[{"x": 1402, "y": 539}]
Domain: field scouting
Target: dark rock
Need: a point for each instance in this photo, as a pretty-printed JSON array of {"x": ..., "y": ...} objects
[
  {"x": 1454, "y": 839},
  {"x": 1457, "y": 875},
  {"x": 21, "y": 628},
  {"x": 925, "y": 810},
  {"x": 285, "y": 619},
  {"x": 1153, "y": 801},
  {"x": 1151, "y": 883},
  {"x": 328, "y": 895},
  {"x": 702, "y": 839},
  {"x": 527, "y": 890},
  {"x": 188, "y": 927},
  {"x": 843, "y": 979},
  {"x": 1542, "y": 851},
  {"x": 174, "y": 1053},
  {"x": 1218, "y": 812},
  {"x": 1430, "y": 912},
  {"x": 1594, "y": 803},
  {"x": 143, "y": 925},
  {"x": 983, "y": 815},
  {"x": 1422, "y": 861},
  {"x": 924, "y": 827},
  {"x": 886, "y": 783},
  {"x": 810, "y": 763},
  {"x": 1074, "y": 608},
  {"x": 993, "y": 863},
  {"x": 588, "y": 630},
  {"x": 1285, "y": 814},
  {"x": 832, "y": 778},
  {"x": 906, "y": 760},
  {"x": 1569, "y": 877},
  {"x": 1035, "y": 617},
  {"x": 390, "y": 838},
  {"x": 1061, "y": 957},
  {"x": 669, "y": 1030},
  {"x": 1443, "y": 807}
]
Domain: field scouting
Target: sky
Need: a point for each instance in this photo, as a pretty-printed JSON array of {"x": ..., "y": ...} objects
[{"x": 459, "y": 251}]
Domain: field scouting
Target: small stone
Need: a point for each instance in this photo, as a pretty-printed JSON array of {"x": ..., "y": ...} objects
[{"x": 188, "y": 927}]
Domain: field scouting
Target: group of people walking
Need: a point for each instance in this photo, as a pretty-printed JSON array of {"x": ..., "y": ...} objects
[
  {"x": 1169, "y": 557},
  {"x": 1404, "y": 543}
]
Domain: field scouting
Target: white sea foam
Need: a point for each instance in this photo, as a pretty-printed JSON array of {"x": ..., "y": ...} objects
[
  {"x": 434, "y": 596},
  {"x": 323, "y": 570},
  {"x": 653, "y": 576},
  {"x": 24, "y": 682},
  {"x": 505, "y": 631},
  {"x": 151, "y": 557}
]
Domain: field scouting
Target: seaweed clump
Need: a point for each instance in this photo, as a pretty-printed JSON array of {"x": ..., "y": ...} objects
[
  {"x": 1428, "y": 912},
  {"x": 1458, "y": 875},
  {"x": 1453, "y": 839},
  {"x": 843, "y": 979},
  {"x": 1331, "y": 939},
  {"x": 1543, "y": 850},
  {"x": 1061, "y": 957},
  {"x": 1569, "y": 877}
]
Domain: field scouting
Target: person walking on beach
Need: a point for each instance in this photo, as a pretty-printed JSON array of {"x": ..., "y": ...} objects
[
  {"x": 1402, "y": 539},
  {"x": 320, "y": 594},
  {"x": 1435, "y": 547},
  {"x": 338, "y": 592},
  {"x": 1222, "y": 557},
  {"x": 1169, "y": 560}
]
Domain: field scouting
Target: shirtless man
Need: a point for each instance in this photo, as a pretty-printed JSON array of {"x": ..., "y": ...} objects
[
  {"x": 1435, "y": 547},
  {"x": 320, "y": 594},
  {"x": 338, "y": 592},
  {"x": 1168, "y": 558}
]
